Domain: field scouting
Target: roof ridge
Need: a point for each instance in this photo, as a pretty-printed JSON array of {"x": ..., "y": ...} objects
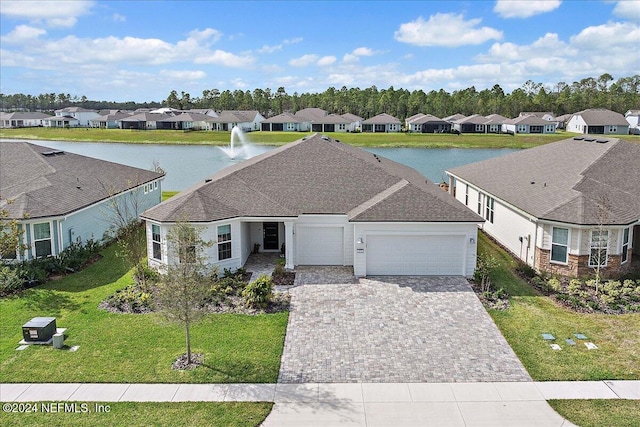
[{"x": 363, "y": 207}]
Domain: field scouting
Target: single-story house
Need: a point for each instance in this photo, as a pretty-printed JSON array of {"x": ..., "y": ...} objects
[
  {"x": 330, "y": 123},
  {"x": 108, "y": 121},
  {"x": 355, "y": 122},
  {"x": 383, "y": 122},
  {"x": 323, "y": 202},
  {"x": 427, "y": 123},
  {"x": 471, "y": 124},
  {"x": 22, "y": 119},
  {"x": 562, "y": 120},
  {"x": 285, "y": 122},
  {"x": 529, "y": 124},
  {"x": 452, "y": 118},
  {"x": 61, "y": 198},
  {"x": 495, "y": 123},
  {"x": 633, "y": 118},
  {"x": 60, "y": 122},
  {"x": 142, "y": 121},
  {"x": 598, "y": 121},
  {"x": 247, "y": 120},
  {"x": 544, "y": 115},
  {"x": 82, "y": 115},
  {"x": 185, "y": 121},
  {"x": 564, "y": 207}
]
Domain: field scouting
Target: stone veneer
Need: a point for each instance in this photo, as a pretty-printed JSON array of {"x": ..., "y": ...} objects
[{"x": 579, "y": 265}]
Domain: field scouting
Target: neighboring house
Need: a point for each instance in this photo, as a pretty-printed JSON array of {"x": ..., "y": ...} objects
[
  {"x": 247, "y": 120},
  {"x": 633, "y": 118},
  {"x": 355, "y": 122},
  {"x": 562, "y": 120},
  {"x": 22, "y": 119},
  {"x": 323, "y": 203},
  {"x": 59, "y": 197},
  {"x": 286, "y": 122},
  {"x": 495, "y": 123},
  {"x": 330, "y": 123},
  {"x": 529, "y": 124},
  {"x": 206, "y": 111},
  {"x": 598, "y": 121},
  {"x": 82, "y": 115},
  {"x": 454, "y": 117},
  {"x": 142, "y": 121},
  {"x": 382, "y": 123},
  {"x": 60, "y": 122},
  {"x": 557, "y": 207},
  {"x": 427, "y": 123},
  {"x": 109, "y": 121},
  {"x": 472, "y": 124},
  {"x": 185, "y": 121},
  {"x": 544, "y": 115},
  {"x": 311, "y": 114}
]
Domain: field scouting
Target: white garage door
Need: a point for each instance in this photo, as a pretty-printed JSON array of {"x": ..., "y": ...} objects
[
  {"x": 319, "y": 246},
  {"x": 415, "y": 255}
]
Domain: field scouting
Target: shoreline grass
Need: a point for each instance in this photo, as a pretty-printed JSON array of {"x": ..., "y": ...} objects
[{"x": 414, "y": 140}]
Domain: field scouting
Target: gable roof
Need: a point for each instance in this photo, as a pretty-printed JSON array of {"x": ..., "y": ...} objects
[
  {"x": 310, "y": 114},
  {"x": 428, "y": 118},
  {"x": 602, "y": 117},
  {"x": 315, "y": 175},
  {"x": 44, "y": 182},
  {"x": 238, "y": 116},
  {"x": 566, "y": 180},
  {"x": 381, "y": 119},
  {"x": 283, "y": 118},
  {"x": 475, "y": 119},
  {"x": 454, "y": 117},
  {"x": 188, "y": 117},
  {"x": 25, "y": 115},
  {"x": 529, "y": 120},
  {"x": 352, "y": 117}
]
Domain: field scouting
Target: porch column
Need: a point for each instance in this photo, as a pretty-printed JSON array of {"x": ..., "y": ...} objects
[{"x": 288, "y": 245}]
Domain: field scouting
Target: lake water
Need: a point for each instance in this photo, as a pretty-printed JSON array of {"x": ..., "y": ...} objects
[{"x": 188, "y": 164}]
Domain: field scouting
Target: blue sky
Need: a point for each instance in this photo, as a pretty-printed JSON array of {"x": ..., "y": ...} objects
[{"x": 141, "y": 50}]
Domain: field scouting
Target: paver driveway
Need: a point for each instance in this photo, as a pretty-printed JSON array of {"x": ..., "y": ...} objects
[{"x": 392, "y": 330}]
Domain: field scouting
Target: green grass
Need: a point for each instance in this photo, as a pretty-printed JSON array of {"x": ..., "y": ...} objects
[
  {"x": 598, "y": 413},
  {"x": 531, "y": 314},
  {"x": 131, "y": 348},
  {"x": 280, "y": 138},
  {"x": 228, "y": 414},
  {"x": 168, "y": 194}
]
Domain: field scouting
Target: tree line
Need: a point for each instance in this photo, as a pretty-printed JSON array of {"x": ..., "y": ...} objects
[{"x": 563, "y": 98}]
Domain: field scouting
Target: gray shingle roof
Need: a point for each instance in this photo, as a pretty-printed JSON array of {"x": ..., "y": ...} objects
[
  {"x": 58, "y": 184},
  {"x": 529, "y": 120},
  {"x": 283, "y": 118},
  {"x": 381, "y": 119},
  {"x": 428, "y": 118},
  {"x": 315, "y": 175},
  {"x": 602, "y": 117},
  {"x": 565, "y": 180}
]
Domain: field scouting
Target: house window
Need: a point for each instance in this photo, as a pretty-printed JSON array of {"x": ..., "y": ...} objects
[
  {"x": 613, "y": 129},
  {"x": 559, "y": 245},
  {"x": 466, "y": 195},
  {"x": 522, "y": 128},
  {"x": 42, "y": 239},
  {"x": 155, "y": 185},
  {"x": 224, "y": 242},
  {"x": 488, "y": 213},
  {"x": 599, "y": 243},
  {"x": 146, "y": 189},
  {"x": 479, "y": 203},
  {"x": 155, "y": 238},
  {"x": 625, "y": 246}
]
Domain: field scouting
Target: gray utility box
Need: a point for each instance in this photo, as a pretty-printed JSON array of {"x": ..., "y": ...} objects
[{"x": 39, "y": 329}]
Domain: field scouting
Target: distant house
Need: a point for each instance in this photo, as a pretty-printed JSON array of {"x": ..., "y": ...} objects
[
  {"x": 59, "y": 197},
  {"x": 563, "y": 207},
  {"x": 330, "y": 123},
  {"x": 633, "y": 118},
  {"x": 544, "y": 115},
  {"x": 108, "y": 121},
  {"x": 382, "y": 123},
  {"x": 82, "y": 115},
  {"x": 61, "y": 122},
  {"x": 529, "y": 124},
  {"x": 598, "y": 121},
  {"x": 185, "y": 121},
  {"x": 286, "y": 122},
  {"x": 247, "y": 120},
  {"x": 22, "y": 119},
  {"x": 354, "y": 122},
  {"x": 427, "y": 123},
  {"x": 561, "y": 121},
  {"x": 323, "y": 203},
  {"x": 454, "y": 117},
  {"x": 471, "y": 124},
  {"x": 495, "y": 123},
  {"x": 142, "y": 121}
]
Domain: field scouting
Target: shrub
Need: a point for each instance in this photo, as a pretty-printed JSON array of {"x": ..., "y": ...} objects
[
  {"x": 258, "y": 293},
  {"x": 555, "y": 284},
  {"x": 575, "y": 286},
  {"x": 130, "y": 299},
  {"x": 485, "y": 268},
  {"x": 11, "y": 280}
]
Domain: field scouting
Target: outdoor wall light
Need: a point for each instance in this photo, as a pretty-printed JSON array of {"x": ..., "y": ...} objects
[
  {"x": 472, "y": 240},
  {"x": 360, "y": 241}
]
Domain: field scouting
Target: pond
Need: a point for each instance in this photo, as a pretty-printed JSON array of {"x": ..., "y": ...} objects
[{"x": 188, "y": 164}]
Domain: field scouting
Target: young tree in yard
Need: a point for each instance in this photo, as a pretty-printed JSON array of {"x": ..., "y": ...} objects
[
  {"x": 10, "y": 233},
  {"x": 599, "y": 242},
  {"x": 186, "y": 283}
]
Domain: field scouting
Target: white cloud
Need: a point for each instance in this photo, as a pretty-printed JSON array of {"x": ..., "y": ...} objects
[
  {"x": 269, "y": 49},
  {"x": 293, "y": 41},
  {"x": 363, "y": 51},
  {"x": 612, "y": 35},
  {"x": 22, "y": 34},
  {"x": 547, "y": 45},
  {"x": 227, "y": 59},
  {"x": 118, "y": 18},
  {"x": 445, "y": 29},
  {"x": 524, "y": 9},
  {"x": 326, "y": 60},
  {"x": 183, "y": 75},
  {"x": 304, "y": 60},
  {"x": 59, "y": 13},
  {"x": 628, "y": 9}
]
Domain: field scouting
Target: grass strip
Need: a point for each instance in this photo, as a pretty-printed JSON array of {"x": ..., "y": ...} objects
[{"x": 599, "y": 412}]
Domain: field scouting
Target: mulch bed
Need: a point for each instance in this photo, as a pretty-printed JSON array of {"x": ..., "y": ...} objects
[{"x": 182, "y": 365}]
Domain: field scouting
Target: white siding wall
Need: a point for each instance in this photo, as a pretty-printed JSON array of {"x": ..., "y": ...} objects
[
  {"x": 576, "y": 124},
  {"x": 364, "y": 230}
]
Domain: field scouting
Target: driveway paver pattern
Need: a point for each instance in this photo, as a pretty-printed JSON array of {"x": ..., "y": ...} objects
[{"x": 391, "y": 330}]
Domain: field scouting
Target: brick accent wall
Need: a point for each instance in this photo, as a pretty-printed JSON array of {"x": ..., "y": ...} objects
[{"x": 578, "y": 266}]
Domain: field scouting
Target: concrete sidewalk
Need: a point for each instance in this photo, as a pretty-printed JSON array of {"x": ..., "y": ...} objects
[{"x": 357, "y": 404}]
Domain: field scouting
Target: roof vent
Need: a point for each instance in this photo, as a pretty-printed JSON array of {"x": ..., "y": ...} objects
[
  {"x": 326, "y": 138},
  {"x": 602, "y": 141},
  {"x": 207, "y": 180},
  {"x": 589, "y": 139},
  {"x": 578, "y": 138},
  {"x": 52, "y": 153}
]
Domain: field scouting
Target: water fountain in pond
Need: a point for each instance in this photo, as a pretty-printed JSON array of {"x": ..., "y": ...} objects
[{"x": 239, "y": 146}]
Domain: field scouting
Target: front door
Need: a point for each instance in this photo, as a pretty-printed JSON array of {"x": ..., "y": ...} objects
[{"x": 270, "y": 234}]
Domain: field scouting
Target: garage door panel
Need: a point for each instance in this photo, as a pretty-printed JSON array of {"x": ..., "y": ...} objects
[
  {"x": 420, "y": 255},
  {"x": 320, "y": 246}
]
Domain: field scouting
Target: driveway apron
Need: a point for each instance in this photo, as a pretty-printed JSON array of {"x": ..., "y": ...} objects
[{"x": 391, "y": 330}]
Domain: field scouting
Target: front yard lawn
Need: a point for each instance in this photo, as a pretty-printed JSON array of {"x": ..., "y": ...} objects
[
  {"x": 597, "y": 413},
  {"x": 131, "y": 348},
  {"x": 532, "y": 314},
  {"x": 228, "y": 414}
]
